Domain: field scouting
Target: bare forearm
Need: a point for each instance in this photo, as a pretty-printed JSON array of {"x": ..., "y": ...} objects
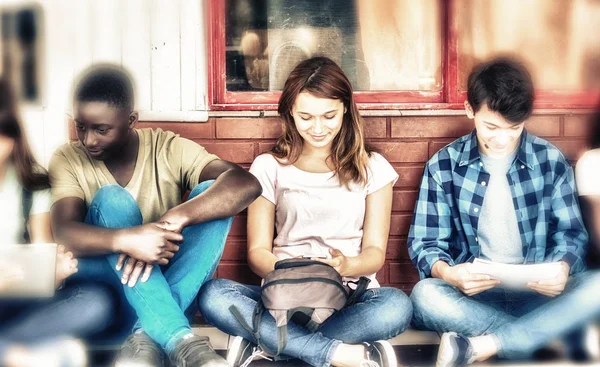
[
  {"x": 368, "y": 262},
  {"x": 231, "y": 193},
  {"x": 261, "y": 262},
  {"x": 438, "y": 269},
  {"x": 85, "y": 240}
]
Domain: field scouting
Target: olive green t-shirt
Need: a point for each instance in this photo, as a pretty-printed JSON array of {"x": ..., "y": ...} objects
[{"x": 167, "y": 166}]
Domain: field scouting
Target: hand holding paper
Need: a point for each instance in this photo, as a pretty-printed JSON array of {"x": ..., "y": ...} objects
[{"x": 543, "y": 278}]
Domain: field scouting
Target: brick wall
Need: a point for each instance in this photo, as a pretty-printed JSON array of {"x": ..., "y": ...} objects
[{"x": 407, "y": 142}]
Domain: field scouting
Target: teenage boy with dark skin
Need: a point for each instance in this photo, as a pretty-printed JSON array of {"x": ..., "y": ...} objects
[
  {"x": 117, "y": 203},
  {"x": 501, "y": 194}
]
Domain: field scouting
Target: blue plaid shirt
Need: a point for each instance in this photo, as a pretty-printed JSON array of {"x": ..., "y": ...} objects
[{"x": 542, "y": 184}]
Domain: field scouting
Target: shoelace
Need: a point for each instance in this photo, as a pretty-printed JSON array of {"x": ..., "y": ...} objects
[
  {"x": 256, "y": 352},
  {"x": 142, "y": 344},
  {"x": 368, "y": 362},
  {"x": 188, "y": 348}
]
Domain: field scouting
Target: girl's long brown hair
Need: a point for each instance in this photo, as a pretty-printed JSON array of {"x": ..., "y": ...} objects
[
  {"x": 323, "y": 78},
  {"x": 30, "y": 174}
]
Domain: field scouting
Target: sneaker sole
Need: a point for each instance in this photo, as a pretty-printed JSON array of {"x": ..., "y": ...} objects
[
  {"x": 235, "y": 346},
  {"x": 390, "y": 355},
  {"x": 135, "y": 364},
  {"x": 446, "y": 351}
]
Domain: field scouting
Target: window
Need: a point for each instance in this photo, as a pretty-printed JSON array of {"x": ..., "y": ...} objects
[
  {"x": 556, "y": 39},
  {"x": 401, "y": 53},
  {"x": 20, "y": 50}
]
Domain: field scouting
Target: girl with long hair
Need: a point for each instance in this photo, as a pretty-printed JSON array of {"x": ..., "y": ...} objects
[
  {"x": 38, "y": 332},
  {"x": 587, "y": 177},
  {"x": 329, "y": 197}
]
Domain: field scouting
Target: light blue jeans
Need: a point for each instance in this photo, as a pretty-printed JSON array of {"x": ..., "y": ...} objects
[
  {"x": 381, "y": 313},
  {"x": 520, "y": 321},
  {"x": 164, "y": 303},
  {"x": 77, "y": 310}
]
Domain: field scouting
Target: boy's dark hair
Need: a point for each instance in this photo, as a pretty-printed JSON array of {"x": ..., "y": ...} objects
[
  {"x": 106, "y": 83},
  {"x": 505, "y": 85},
  {"x": 596, "y": 129}
]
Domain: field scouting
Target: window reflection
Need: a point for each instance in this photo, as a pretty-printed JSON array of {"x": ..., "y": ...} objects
[
  {"x": 20, "y": 50},
  {"x": 381, "y": 45}
]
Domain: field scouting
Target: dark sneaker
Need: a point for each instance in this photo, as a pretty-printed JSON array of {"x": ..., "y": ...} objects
[
  {"x": 379, "y": 354},
  {"x": 139, "y": 350},
  {"x": 242, "y": 352},
  {"x": 196, "y": 351},
  {"x": 455, "y": 350}
]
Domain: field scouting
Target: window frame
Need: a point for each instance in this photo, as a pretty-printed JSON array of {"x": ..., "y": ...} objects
[{"x": 449, "y": 97}]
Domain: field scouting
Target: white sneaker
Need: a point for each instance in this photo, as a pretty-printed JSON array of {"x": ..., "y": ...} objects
[
  {"x": 242, "y": 352},
  {"x": 379, "y": 354}
]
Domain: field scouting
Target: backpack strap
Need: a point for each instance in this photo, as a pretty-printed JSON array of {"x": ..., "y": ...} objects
[
  {"x": 26, "y": 203},
  {"x": 254, "y": 330},
  {"x": 361, "y": 288}
]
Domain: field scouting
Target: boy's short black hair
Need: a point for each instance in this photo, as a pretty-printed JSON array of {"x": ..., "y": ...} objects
[
  {"x": 106, "y": 83},
  {"x": 505, "y": 85}
]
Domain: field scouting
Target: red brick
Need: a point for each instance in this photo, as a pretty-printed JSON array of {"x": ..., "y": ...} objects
[
  {"x": 404, "y": 200},
  {"x": 403, "y": 273},
  {"x": 235, "y": 249},
  {"x": 543, "y": 125},
  {"x": 189, "y": 130},
  {"x": 382, "y": 274},
  {"x": 231, "y": 151},
  {"x": 375, "y": 127},
  {"x": 238, "y": 272},
  {"x": 248, "y": 128},
  {"x": 406, "y": 288},
  {"x": 400, "y": 224},
  {"x": 265, "y": 147},
  {"x": 410, "y": 176},
  {"x": 578, "y": 125},
  {"x": 403, "y": 152},
  {"x": 238, "y": 227},
  {"x": 72, "y": 130},
  {"x": 572, "y": 149},
  {"x": 430, "y": 126},
  {"x": 397, "y": 250},
  {"x": 436, "y": 146}
]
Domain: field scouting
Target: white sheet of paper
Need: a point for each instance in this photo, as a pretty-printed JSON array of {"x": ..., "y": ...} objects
[{"x": 516, "y": 275}]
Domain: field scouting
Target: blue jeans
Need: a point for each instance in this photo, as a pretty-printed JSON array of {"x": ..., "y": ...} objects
[
  {"x": 520, "y": 321},
  {"x": 33, "y": 321},
  {"x": 381, "y": 313},
  {"x": 162, "y": 303}
]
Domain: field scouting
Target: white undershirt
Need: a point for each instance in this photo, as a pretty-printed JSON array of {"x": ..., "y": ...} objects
[{"x": 11, "y": 210}]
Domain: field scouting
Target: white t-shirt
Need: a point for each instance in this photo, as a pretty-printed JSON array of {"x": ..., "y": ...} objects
[
  {"x": 587, "y": 173},
  {"x": 313, "y": 211},
  {"x": 11, "y": 215}
]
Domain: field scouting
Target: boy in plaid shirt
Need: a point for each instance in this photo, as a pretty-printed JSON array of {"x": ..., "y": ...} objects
[{"x": 504, "y": 195}]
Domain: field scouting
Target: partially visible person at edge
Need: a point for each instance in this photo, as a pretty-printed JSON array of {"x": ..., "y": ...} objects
[
  {"x": 504, "y": 195},
  {"x": 587, "y": 176},
  {"x": 326, "y": 194},
  {"x": 117, "y": 195},
  {"x": 38, "y": 332}
]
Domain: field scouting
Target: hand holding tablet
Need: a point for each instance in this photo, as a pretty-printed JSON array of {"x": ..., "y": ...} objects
[
  {"x": 32, "y": 270},
  {"x": 516, "y": 276}
]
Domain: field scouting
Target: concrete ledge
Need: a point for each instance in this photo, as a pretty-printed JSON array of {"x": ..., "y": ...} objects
[{"x": 220, "y": 340}]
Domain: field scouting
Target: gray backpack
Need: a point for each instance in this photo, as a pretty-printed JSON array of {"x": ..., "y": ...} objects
[{"x": 303, "y": 290}]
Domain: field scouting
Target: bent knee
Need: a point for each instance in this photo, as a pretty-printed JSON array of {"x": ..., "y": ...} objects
[
  {"x": 98, "y": 305},
  {"x": 201, "y": 187},
  {"x": 210, "y": 296},
  {"x": 112, "y": 199},
  {"x": 395, "y": 310},
  {"x": 427, "y": 291}
]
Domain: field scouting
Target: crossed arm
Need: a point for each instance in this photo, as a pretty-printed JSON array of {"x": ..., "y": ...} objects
[{"x": 155, "y": 243}]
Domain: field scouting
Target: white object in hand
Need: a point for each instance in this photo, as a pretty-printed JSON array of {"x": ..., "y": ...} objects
[{"x": 516, "y": 275}]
